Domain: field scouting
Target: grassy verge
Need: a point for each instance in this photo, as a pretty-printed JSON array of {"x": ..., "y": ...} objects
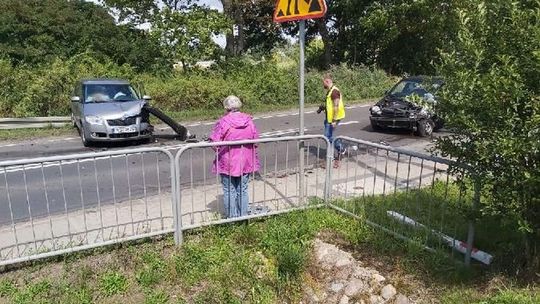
[
  {"x": 256, "y": 262},
  {"x": 182, "y": 117}
]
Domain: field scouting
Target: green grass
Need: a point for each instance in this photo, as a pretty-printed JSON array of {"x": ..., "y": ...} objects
[
  {"x": 263, "y": 261},
  {"x": 182, "y": 117}
]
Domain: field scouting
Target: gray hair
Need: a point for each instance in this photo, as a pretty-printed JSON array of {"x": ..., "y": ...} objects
[{"x": 232, "y": 103}]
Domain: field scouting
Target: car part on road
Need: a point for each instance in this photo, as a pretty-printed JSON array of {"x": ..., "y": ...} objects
[{"x": 179, "y": 129}]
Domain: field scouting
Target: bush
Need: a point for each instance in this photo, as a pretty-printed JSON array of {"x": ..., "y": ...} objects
[
  {"x": 45, "y": 90},
  {"x": 492, "y": 100}
]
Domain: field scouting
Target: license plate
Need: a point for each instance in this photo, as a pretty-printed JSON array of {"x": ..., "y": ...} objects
[{"x": 119, "y": 130}]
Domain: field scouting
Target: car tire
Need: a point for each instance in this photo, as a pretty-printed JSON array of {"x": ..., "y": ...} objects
[
  {"x": 375, "y": 127},
  {"x": 424, "y": 128},
  {"x": 87, "y": 143}
]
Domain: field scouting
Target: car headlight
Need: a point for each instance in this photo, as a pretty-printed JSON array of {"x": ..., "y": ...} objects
[
  {"x": 94, "y": 120},
  {"x": 423, "y": 112},
  {"x": 376, "y": 110}
]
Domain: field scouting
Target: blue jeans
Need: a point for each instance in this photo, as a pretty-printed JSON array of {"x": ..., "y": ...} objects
[
  {"x": 235, "y": 195},
  {"x": 329, "y": 133}
]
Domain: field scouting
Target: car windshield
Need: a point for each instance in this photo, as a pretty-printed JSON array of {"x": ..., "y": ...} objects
[
  {"x": 109, "y": 93},
  {"x": 409, "y": 87}
]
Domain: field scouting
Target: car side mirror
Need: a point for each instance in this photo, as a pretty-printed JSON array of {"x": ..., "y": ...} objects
[
  {"x": 147, "y": 98},
  {"x": 75, "y": 99}
]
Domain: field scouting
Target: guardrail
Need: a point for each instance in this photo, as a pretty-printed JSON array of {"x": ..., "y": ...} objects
[{"x": 33, "y": 122}]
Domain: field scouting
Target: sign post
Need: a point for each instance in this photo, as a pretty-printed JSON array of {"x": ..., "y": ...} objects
[{"x": 301, "y": 10}]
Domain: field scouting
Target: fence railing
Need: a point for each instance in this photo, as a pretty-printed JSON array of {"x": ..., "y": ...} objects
[
  {"x": 410, "y": 195},
  {"x": 55, "y": 205},
  {"x": 273, "y": 189}
]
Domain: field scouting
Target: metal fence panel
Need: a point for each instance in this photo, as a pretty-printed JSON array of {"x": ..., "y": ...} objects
[
  {"x": 408, "y": 194},
  {"x": 54, "y": 205},
  {"x": 273, "y": 189}
]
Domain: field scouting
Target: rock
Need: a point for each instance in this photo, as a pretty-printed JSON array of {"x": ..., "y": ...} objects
[
  {"x": 344, "y": 300},
  {"x": 373, "y": 299},
  {"x": 336, "y": 287},
  {"x": 378, "y": 278},
  {"x": 344, "y": 273},
  {"x": 388, "y": 292},
  {"x": 343, "y": 261},
  {"x": 354, "y": 287},
  {"x": 401, "y": 299}
]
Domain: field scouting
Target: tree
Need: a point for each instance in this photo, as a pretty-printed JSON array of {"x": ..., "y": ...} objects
[
  {"x": 36, "y": 31},
  {"x": 186, "y": 36},
  {"x": 492, "y": 101}
]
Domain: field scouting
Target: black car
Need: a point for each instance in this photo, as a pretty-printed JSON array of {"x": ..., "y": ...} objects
[{"x": 410, "y": 104}]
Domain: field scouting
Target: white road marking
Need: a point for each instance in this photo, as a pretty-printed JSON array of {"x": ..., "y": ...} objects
[{"x": 349, "y": 122}]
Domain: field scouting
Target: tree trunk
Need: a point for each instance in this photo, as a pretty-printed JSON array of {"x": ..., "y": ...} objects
[
  {"x": 227, "y": 10},
  {"x": 325, "y": 35},
  {"x": 235, "y": 44}
]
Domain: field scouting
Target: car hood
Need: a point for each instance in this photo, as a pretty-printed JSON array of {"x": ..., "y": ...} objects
[
  {"x": 394, "y": 102},
  {"x": 114, "y": 110}
]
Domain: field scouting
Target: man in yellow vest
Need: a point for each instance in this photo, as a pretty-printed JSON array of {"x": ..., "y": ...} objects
[{"x": 335, "y": 112}]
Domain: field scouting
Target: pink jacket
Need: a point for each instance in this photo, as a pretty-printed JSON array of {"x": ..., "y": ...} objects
[{"x": 235, "y": 160}]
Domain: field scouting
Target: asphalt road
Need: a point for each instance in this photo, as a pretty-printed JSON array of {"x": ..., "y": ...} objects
[{"x": 51, "y": 188}]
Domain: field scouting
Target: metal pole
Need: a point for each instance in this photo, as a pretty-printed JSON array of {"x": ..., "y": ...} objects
[{"x": 301, "y": 91}]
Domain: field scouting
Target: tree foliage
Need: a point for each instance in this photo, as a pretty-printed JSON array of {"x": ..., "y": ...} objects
[
  {"x": 492, "y": 102},
  {"x": 186, "y": 35},
  {"x": 37, "y": 31}
]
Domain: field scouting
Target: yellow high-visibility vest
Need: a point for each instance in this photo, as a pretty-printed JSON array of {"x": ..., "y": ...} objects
[{"x": 330, "y": 107}]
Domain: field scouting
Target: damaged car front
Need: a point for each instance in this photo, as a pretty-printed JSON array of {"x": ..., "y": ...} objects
[
  {"x": 410, "y": 104},
  {"x": 109, "y": 110}
]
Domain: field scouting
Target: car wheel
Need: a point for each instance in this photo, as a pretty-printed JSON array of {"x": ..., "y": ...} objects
[
  {"x": 375, "y": 127},
  {"x": 84, "y": 139},
  {"x": 424, "y": 128}
]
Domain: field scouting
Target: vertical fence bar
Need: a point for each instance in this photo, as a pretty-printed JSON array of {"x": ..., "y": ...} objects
[
  {"x": 159, "y": 191},
  {"x": 47, "y": 203},
  {"x": 29, "y": 207},
  {"x": 10, "y": 204},
  {"x": 145, "y": 191},
  {"x": 130, "y": 198},
  {"x": 204, "y": 182},
  {"x": 83, "y": 205},
  {"x": 65, "y": 199},
  {"x": 265, "y": 174},
  {"x": 385, "y": 172},
  {"x": 328, "y": 182},
  {"x": 114, "y": 198},
  {"x": 99, "y": 200}
]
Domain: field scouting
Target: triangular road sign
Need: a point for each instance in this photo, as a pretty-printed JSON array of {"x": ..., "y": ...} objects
[{"x": 291, "y": 10}]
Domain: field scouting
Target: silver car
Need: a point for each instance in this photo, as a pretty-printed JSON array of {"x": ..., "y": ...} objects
[{"x": 107, "y": 110}]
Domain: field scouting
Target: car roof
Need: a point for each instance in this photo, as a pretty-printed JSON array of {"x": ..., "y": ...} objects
[
  {"x": 424, "y": 77},
  {"x": 102, "y": 81}
]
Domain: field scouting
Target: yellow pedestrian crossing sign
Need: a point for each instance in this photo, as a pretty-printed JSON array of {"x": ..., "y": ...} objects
[{"x": 291, "y": 10}]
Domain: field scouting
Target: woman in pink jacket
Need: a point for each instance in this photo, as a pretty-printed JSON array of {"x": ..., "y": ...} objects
[{"x": 235, "y": 163}]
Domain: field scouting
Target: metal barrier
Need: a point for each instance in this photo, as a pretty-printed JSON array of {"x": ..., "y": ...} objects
[
  {"x": 272, "y": 190},
  {"x": 404, "y": 193},
  {"x": 56, "y": 205}
]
